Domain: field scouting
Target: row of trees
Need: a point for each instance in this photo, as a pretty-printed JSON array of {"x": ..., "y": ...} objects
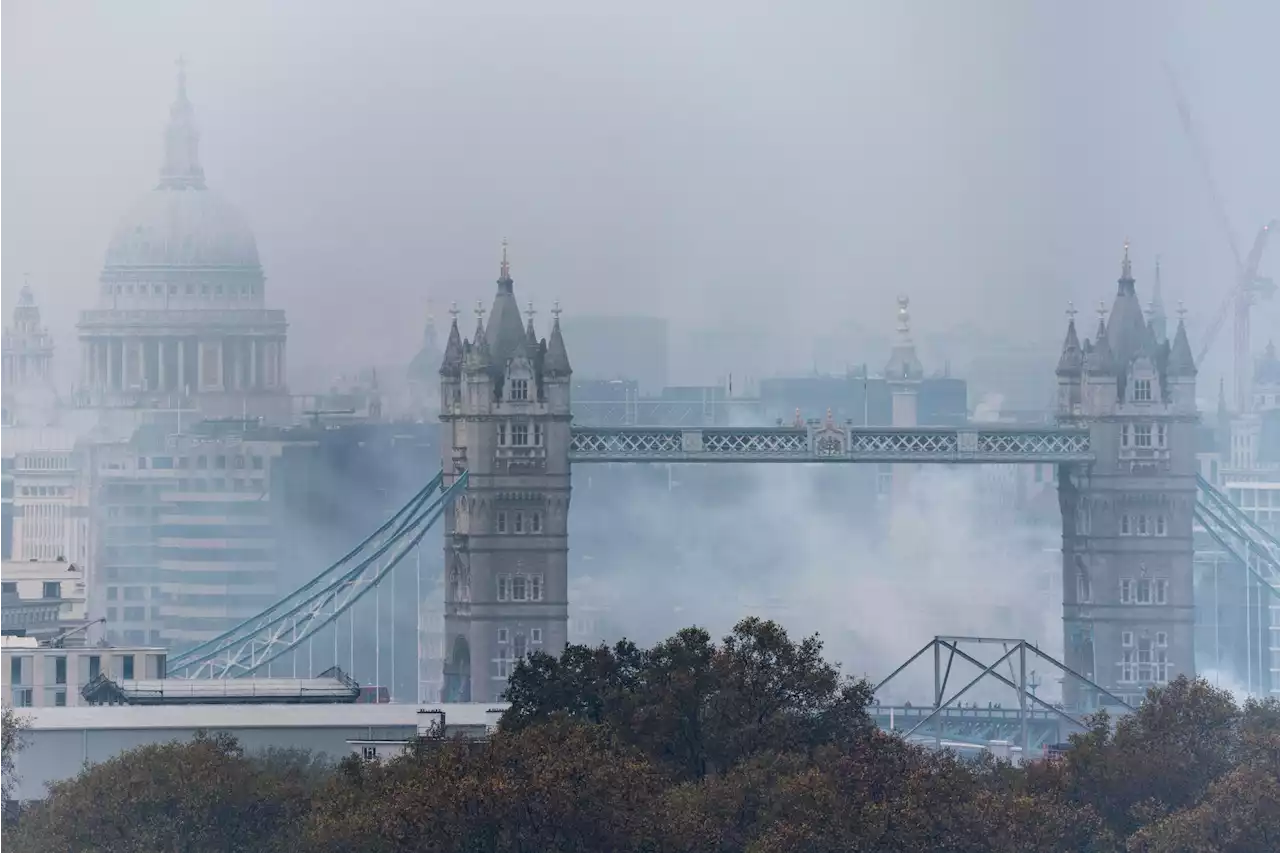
[{"x": 754, "y": 743}]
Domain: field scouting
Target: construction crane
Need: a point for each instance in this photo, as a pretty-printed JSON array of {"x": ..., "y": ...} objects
[{"x": 1248, "y": 288}]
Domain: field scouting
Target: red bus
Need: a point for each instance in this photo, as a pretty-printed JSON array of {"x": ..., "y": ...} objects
[{"x": 374, "y": 696}]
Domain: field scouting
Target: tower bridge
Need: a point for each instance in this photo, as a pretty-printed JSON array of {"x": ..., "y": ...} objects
[{"x": 1124, "y": 447}]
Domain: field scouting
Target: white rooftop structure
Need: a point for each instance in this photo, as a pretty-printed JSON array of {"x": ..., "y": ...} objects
[{"x": 59, "y": 741}]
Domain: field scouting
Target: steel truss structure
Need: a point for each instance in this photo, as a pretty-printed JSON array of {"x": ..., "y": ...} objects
[
  {"x": 281, "y": 628},
  {"x": 829, "y": 442},
  {"x": 1035, "y": 723}
]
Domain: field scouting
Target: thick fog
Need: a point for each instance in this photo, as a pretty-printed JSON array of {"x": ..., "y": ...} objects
[
  {"x": 769, "y": 177},
  {"x": 781, "y": 169}
]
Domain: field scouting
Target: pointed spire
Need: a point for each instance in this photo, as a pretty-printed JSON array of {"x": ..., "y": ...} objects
[
  {"x": 1126, "y": 266},
  {"x": 1181, "y": 362},
  {"x": 1072, "y": 359},
  {"x": 181, "y": 169},
  {"x": 451, "y": 364},
  {"x": 504, "y": 270},
  {"x": 531, "y": 337},
  {"x": 1099, "y": 359},
  {"x": 556, "y": 363}
]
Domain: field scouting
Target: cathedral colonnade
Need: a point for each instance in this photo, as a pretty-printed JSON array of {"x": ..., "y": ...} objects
[{"x": 183, "y": 363}]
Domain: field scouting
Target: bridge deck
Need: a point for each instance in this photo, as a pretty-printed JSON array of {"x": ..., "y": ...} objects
[{"x": 831, "y": 443}]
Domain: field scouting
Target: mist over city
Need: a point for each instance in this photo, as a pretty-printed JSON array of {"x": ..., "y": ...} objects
[{"x": 429, "y": 373}]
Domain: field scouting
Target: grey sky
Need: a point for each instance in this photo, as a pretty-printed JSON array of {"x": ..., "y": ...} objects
[{"x": 786, "y": 167}]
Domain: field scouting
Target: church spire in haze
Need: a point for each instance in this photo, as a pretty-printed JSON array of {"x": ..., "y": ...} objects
[{"x": 181, "y": 169}]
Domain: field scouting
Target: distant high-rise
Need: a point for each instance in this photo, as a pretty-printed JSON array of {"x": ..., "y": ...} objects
[{"x": 181, "y": 320}]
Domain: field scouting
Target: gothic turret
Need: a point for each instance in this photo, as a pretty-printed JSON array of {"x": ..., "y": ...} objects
[
  {"x": 1181, "y": 362},
  {"x": 556, "y": 362},
  {"x": 1071, "y": 361},
  {"x": 451, "y": 364}
]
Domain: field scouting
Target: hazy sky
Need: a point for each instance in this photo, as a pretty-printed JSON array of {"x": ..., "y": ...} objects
[{"x": 786, "y": 168}]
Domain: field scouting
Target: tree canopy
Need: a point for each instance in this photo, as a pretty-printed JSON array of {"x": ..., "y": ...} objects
[{"x": 753, "y": 744}]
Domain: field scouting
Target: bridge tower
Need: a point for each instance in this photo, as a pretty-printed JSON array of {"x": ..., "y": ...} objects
[
  {"x": 1128, "y": 618},
  {"x": 505, "y": 412}
]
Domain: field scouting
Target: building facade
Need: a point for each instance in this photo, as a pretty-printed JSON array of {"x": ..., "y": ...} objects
[
  {"x": 505, "y": 408},
  {"x": 43, "y": 676},
  {"x": 27, "y": 389},
  {"x": 1128, "y": 608},
  {"x": 43, "y": 598},
  {"x": 183, "y": 534},
  {"x": 181, "y": 321}
]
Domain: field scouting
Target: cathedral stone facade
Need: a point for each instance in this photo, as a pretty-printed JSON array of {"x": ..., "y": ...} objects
[
  {"x": 505, "y": 408},
  {"x": 1127, "y": 580}
]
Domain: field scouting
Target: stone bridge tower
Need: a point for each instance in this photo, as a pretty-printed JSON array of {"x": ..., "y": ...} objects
[
  {"x": 505, "y": 411},
  {"x": 1128, "y": 616}
]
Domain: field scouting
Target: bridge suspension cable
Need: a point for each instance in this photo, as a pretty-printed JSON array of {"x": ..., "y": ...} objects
[
  {"x": 295, "y": 619},
  {"x": 1239, "y": 535}
]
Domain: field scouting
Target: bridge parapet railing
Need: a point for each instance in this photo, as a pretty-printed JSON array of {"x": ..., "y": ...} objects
[{"x": 829, "y": 442}]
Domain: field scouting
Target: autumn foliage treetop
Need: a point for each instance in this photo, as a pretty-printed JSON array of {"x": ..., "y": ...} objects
[{"x": 755, "y": 743}]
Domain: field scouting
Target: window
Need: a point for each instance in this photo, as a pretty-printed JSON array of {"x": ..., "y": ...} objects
[
  {"x": 519, "y": 389},
  {"x": 502, "y": 434},
  {"x": 502, "y": 635},
  {"x": 220, "y": 462},
  {"x": 520, "y": 435},
  {"x": 1126, "y": 639},
  {"x": 1161, "y": 439},
  {"x": 518, "y": 525},
  {"x": 1126, "y": 435},
  {"x": 535, "y": 522},
  {"x": 1125, "y": 527},
  {"x": 23, "y": 698},
  {"x": 369, "y": 753},
  {"x": 1161, "y": 526},
  {"x": 60, "y": 670},
  {"x": 500, "y": 523},
  {"x": 60, "y": 699},
  {"x": 537, "y": 435},
  {"x": 1126, "y": 590},
  {"x": 134, "y": 593},
  {"x": 15, "y": 670},
  {"x": 1144, "y": 591},
  {"x": 1126, "y": 667},
  {"x": 126, "y": 666},
  {"x": 1162, "y": 590},
  {"x": 1141, "y": 522},
  {"x": 1142, "y": 435},
  {"x": 504, "y": 588},
  {"x": 52, "y": 589},
  {"x": 1162, "y": 639},
  {"x": 519, "y": 588},
  {"x": 9, "y": 588},
  {"x": 1142, "y": 390},
  {"x": 521, "y": 646},
  {"x": 535, "y": 587},
  {"x": 95, "y": 666},
  {"x": 535, "y": 636},
  {"x": 135, "y": 614},
  {"x": 1162, "y": 666}
]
